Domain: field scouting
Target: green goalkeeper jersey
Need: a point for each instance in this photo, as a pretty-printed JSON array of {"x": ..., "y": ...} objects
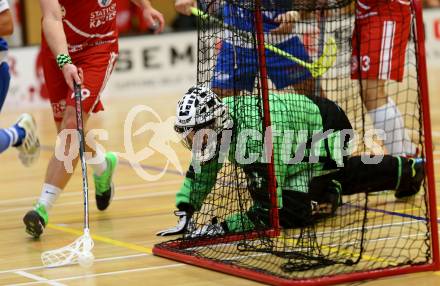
[{"x": 294, "y": 120}]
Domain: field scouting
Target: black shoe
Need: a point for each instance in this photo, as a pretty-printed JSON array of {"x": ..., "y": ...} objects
[
  {"x": 104, "y": 187},
  {"x": 417, "y": 166},
  {"x": 103, "y": 200},
  {"x": 34, "y": 223}
]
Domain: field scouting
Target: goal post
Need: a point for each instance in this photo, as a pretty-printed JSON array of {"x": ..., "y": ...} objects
[
  {"x": 252, "y": 214},
  {"x": 424, "y": 94}
]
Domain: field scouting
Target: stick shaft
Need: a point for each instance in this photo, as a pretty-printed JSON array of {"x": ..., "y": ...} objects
[
  {"x": 244, "y": 35},
  {"x": 315, "y": 68},
  {"x": 320, "y": 48},
  {"x": 81, "y": 138}
]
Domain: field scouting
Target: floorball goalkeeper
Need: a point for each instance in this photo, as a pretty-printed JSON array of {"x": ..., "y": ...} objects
[{"x": 305, "y": 190}]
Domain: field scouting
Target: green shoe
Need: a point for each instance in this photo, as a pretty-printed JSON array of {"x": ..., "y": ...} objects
[
  {"x": 104, "y": 188},
  {"x": 36, "y": 220}
]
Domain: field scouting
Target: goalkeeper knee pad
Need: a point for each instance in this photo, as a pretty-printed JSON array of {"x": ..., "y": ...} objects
[
  {"x": 326, "y": 191},
  {"x": 302, "y": 210},
  {"x": 411, "y": 178},
  {"x": 297, "y": 209}
]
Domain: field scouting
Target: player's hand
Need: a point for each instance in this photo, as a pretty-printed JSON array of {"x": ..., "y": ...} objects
[
  {"x": 154, "y": 19},
  {"x": 184, "y": 6},
  {"x": 287, "y": 22},
  {"x": 72, "y": 74}
]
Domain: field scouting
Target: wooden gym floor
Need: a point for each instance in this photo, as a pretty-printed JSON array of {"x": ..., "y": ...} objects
[{"x": 124, "y": 234}]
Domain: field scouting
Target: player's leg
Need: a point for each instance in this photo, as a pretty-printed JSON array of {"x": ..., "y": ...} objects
[
  {"x": 386, "y": 116},
  {"x": 36, "y": 219},
  {"x": 96, "y": 69},
  {"x": 379, "y": 56},
  {"x": 56, "y": 178},
  {"x": 22, "y": 134},
  {"x": 10, "y": 136},
  {"x": 392, "y": 173},
  {"x": 403, "y": 175},
  {"x": 15, "y": 136}
]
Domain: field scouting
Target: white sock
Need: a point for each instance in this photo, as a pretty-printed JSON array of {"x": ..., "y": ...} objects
[
  {"x": 13, "y": 135},
  {"x": 389, "y": 119},
  {"x": 49, "y": 195},
  {"x": 98, "y": 163}
]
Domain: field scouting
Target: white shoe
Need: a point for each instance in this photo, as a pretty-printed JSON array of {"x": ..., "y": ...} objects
[{"x": 29, "y": 150}]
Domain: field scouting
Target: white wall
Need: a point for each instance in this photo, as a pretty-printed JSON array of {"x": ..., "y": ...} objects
[
  {"x": 147, "y": 66},
  {"x": 432, "y": 33}
]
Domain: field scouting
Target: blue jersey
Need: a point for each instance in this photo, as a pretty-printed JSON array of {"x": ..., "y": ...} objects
[
  {"x": 243, "y": 18},
  {"x": 237, "y": 64}
]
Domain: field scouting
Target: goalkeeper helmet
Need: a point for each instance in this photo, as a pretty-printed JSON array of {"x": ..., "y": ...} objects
[{"x": 200, "y": 108}]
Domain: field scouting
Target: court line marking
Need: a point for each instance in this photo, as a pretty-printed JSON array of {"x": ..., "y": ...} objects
[
  {"x": 38, "y": 278},
  {"x": 125, "y": 215},
  {"x": 117, "y": 198},
  {"x": 103, "y": 274},
  {"x": 348, "y": 253},
  {"x": 104, "y": 239},
  {"x": 78, "y": 192},
  {"x": 393, "y": 213},
  {"x": 105, "y": 259}
]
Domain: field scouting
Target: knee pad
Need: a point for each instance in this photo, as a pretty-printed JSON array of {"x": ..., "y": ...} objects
[
  {"x": 326, "y": 193},
  {"x": 297, "y": 209}
]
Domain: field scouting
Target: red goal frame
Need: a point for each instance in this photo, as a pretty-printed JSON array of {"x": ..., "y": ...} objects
[{"x": 434, "y": 265}]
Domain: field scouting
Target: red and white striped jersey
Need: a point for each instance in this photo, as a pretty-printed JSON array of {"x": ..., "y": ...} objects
[
  {"x": 368, "y": 8},
  {"x": 89, "y": 22}
]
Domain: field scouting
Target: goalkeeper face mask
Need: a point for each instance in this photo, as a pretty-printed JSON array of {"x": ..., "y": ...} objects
[{"x": 200, "y": 119}]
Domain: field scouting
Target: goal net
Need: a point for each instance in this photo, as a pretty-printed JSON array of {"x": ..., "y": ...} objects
[{"x": 274, "y": 63}]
